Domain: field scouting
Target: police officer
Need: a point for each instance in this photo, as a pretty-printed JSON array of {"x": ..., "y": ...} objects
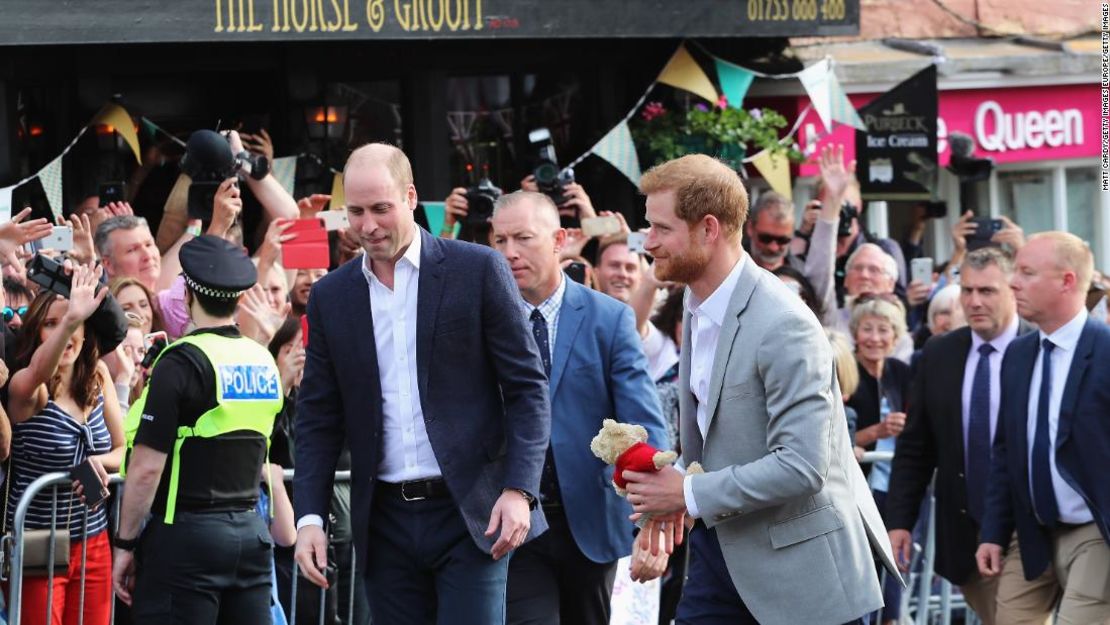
[{"x": 200, "y": 433}]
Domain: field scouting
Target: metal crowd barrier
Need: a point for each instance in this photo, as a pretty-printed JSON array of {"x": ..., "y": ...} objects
[
  {"x": 927, "y": 606},
  {"x": 61, "y": 482}
]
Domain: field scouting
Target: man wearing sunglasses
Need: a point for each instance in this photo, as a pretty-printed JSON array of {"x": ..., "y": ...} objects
[
  {"x": 770, "y": 231},
  {"x": 16, "y": 299}
]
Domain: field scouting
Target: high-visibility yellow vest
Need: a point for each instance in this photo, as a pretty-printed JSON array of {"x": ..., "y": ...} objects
[{"x": 249, "y": 396}]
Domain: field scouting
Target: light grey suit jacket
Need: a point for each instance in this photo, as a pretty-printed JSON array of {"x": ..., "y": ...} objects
[{"x": 792, "y": 510}]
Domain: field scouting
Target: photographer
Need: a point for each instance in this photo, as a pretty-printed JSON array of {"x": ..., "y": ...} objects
[{"x": 64, "y": 400}]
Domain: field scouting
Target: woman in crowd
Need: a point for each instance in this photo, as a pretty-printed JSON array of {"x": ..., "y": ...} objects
[
  {"x": 134, "y": 297},
  {"x": 64, "y": 411},
  {"x": 847, "y": 377},
  {"x": 877, "y": 323},
  {"x": 798, "y": 283}
]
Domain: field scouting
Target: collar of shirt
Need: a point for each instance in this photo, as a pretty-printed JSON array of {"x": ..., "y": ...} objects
[
  {"x": 714, "y": 306},
  {"x": 412, "y": 254},
  {"x": 1067, "y": 336},
  {"x": 1000, "y": 342},
  {"x": 549, "y": 307}
]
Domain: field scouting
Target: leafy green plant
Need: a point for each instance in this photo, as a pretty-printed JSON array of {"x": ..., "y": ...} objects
[{"x": 722, "y": 131}]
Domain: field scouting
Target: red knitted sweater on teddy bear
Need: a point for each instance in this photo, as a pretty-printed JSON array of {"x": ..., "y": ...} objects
[{"x": 636, "y": 458}]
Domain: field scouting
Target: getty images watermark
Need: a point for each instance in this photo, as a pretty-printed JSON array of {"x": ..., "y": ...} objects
[{"x": 1105, "y": 159}]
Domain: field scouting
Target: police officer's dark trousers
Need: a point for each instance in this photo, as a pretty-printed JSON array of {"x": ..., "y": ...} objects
[{"x": 208, "y": 568}]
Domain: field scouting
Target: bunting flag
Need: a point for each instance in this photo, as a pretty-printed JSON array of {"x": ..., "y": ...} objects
[
  {"x": 149, "y": 127},
  {"x": 840, "y": 107},
  {"x": 284, "y": 170},
  {"x": 815, "y": 79},
  {"x": 617, "y": 148},
  {"x": 6, "y": 204},
  {"x": 338, "y": 200},
  {"x": 735, "y": 81},
  {"x": 51, "y": 179},
  {"x": 683, "y": 72},
  {"x": 115, "y": 116},
  {"x": 775, "y": 169}
]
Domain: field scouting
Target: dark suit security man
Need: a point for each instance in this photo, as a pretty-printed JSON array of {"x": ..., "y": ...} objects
[
  {"x": 597, "y": 370},
  {"x": 1048, "y": 466},
  {"x": 419, "y": 359},
  {"x": 200, "y": 433},
  {"x": 952, "y": 417}
]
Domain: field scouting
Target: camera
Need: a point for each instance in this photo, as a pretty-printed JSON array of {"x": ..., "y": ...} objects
[
  {"x": 847, "y": 214},
  {"x": 479, "y": 201},
  {"x": 208, "y": 162},
  {"x": 549, "y": 177}
]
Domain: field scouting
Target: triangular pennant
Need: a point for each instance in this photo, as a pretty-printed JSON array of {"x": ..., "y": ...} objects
[
  {"x": 617, "y": 148},
  {"x": 338, "y": 199},
  {"x": 6, "y": 204},
  {"x": 840, "y": 107},
  {"x": 284, "y": 170},
  {"x": 115, "y": 116},
  {"x": 683, "y": 72},
  {"x": 735, "y": 81},
  {"x": 149, "y": 127},
  {"x": 50, "y": 177},
  {"x": 775, "y": 169},
  {"x": 815, "y": 79}
]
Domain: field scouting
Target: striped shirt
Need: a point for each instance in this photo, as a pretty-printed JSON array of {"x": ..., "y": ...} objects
[{"x": 52, "y": 441}]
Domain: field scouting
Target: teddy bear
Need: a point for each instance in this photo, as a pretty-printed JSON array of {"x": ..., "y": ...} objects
[{"x": 624, "y": 445}]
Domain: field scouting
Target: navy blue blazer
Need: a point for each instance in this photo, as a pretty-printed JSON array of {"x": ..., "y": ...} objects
[
  {"x": 482, "y": 387},
  {"x": 1082, "y": 444},
  {"x": 598, "y": 372}
]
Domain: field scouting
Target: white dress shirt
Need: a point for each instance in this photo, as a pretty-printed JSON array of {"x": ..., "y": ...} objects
[
  {"x": 706, "y": 320},
  {"x": 999, "y": 343},
  {"x": 1072, "y": 507},
  {"x": 661, "y": 352},
  {"x": 406, "y": 451}
]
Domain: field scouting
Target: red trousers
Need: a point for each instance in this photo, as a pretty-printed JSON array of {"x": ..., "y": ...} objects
[{"x": 67, "y": 588}]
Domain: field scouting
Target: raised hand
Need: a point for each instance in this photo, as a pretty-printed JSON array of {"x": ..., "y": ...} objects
[
  {"x": 84, "y": 297},
  {"x": 83, "y": 250},
  {"x": 225, "y": 208},
  {"x": 260, "y": 143},
  {"x": 309, "y": 206},
  {"x": 271, "y": 244},
  {"x": 16, "y": 232},
  {"x": 834, "y": 174}
]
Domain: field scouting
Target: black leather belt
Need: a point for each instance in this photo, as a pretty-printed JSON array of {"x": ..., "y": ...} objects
[{"x": 416, "y": 490}]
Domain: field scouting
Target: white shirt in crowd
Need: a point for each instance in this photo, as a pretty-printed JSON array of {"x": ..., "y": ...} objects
[
  {"x": 706, "y": 320},
  {"x": 661, "y": 352},
  {"x": 406, "y": 451},
  {"x": 1070, "y": 504}
]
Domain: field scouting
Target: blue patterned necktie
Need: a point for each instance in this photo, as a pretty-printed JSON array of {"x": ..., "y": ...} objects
[
  {"x": 549, "y": 479},
  {"x": 1044, "y": 494},
  {"x": 978, "y": 461}
]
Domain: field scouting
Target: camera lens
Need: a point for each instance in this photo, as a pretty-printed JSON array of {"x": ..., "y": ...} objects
[{"x": 546, "y": 173}]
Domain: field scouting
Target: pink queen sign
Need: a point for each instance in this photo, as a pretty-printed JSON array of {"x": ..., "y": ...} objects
[{"x": 1010, "y": 125}]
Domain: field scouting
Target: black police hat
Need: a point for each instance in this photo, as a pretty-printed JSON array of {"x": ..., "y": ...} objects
[{"x": 216, "y": 267}]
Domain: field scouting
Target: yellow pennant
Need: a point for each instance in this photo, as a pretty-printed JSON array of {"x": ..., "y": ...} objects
[
  {"x": 338, "y": 200},
  {"x": 683, "y": 72},
  {"x": 115, "y": 116},
  {"x": 775, "y": 169}
]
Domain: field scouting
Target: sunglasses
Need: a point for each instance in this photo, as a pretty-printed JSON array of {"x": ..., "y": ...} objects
[
  {"x": 767, "y": 239},
  {"x": 10, "y": 313}
]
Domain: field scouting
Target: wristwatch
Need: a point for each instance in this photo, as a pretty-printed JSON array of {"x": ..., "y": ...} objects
[
  {"x": 527, "y": 497},
  {"x": 127, "y": 544}
]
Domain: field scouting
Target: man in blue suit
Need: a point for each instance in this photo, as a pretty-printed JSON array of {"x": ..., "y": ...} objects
[
  {"x": 418, "y": 358},
  {"x": 597, "y": 370},
  {"x": 1050, "y": 459}
]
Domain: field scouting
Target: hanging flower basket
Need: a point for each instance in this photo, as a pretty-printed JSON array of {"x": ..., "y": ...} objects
[{"x": 721, "y": 131}]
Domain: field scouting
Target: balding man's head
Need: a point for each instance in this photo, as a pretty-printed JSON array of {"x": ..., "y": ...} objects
[{"x": 374, "y": 155}]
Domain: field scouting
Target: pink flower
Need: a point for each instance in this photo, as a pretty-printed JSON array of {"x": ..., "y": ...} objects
[
  {"x": 652, "y": 110},
  {"x": 722, "y": 102}
]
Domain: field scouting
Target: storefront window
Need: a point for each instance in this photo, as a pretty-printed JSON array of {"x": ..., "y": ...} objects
[
  {"x": 1083, "y": 203},
  {"x": 1026, "y": 198}
]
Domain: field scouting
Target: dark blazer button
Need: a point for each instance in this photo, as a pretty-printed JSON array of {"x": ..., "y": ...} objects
[{"x": 963, "y": 511}]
